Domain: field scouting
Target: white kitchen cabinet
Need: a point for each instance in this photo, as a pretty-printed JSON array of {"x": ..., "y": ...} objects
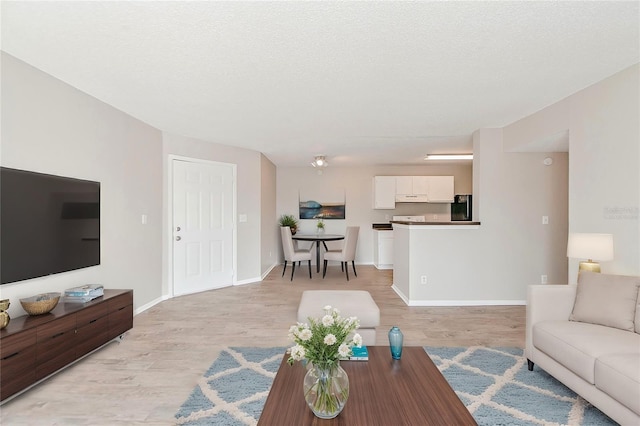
[
  {"x": 412, "y": 185},
  {"x": 404, "y": 185},
  {"x": 412, "y": 189},
  {"x": 439, "y": 189},
  {"x": 383, "y": 249},
  {"x": 420, "y": 185},
  {"x": 389, "y": 190},
  {"x": 384, "y": 192}
]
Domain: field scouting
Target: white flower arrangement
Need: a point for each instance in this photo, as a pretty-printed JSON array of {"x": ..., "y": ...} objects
[{"x": 324, "y": 342}]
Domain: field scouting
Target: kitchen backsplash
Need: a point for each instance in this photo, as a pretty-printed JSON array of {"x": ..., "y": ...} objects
[{"x": 433, "y": 212}]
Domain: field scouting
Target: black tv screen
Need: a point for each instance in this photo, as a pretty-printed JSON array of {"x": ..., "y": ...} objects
[{"x": 48, "y": 224}]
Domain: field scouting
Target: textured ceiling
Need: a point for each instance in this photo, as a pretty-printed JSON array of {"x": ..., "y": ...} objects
[{"x": 362, "y": 82}]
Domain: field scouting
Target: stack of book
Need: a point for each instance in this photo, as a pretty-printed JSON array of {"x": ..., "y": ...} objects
[
  {"x": 83, "y": 294},
  {"x": 358, "y": 354}
]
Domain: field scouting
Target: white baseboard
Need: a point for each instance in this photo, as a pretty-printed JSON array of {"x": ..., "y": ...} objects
[
  {"x": 466, "y": 302},
  {"x": 248, "y": 281},
  {"x": 151, "y": 304},
  {"x": 406, "y": 300},
  {"x": 384, "y": 266},
  {"x": 268, "y": 271}
]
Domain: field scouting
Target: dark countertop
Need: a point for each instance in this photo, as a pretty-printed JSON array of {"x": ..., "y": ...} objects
[
  {"x": 458, "y": 222},
  {"x": 382, "y": 226}
]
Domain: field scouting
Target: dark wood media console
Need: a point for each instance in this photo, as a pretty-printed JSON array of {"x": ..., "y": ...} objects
[{"x": 33, "y": 347}]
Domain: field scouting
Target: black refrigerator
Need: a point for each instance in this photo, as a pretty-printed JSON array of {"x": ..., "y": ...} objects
[{"x": 461, "y": 208}]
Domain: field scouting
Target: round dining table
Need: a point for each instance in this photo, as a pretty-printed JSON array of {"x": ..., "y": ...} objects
[{"x": 318, "y": 238}]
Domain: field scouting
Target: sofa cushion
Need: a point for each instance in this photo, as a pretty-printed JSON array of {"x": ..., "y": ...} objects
[
  {"x": 577, "y": 345},
  {"x": 606, "y": 300},
  {"x": 618, "y": 375}
]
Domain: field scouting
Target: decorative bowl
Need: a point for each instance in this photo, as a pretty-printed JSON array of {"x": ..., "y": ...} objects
[
  {"x": 4, "y": 315},
  {"x": 41, "y": 303}
]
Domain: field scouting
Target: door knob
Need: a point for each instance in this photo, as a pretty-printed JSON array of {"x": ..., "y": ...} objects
[{"x": 178, "y": 238}]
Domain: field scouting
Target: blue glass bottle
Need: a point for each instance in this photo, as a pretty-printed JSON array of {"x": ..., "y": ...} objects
[{"x": 395, "y": 342}]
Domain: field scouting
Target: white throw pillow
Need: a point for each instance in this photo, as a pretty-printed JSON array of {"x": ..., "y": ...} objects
[{"x": 604, "y": 299}]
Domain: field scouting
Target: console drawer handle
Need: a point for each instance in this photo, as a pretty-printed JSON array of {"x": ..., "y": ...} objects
[
  {"x": 57, "y": 335},
  {"x": 92, "y": 321},
  {"x": 10, "y": 356}
]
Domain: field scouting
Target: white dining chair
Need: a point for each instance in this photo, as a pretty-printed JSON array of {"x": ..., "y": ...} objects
[
  {"x": 346, "y": 254},
  {"x": 291, "y": 254}
]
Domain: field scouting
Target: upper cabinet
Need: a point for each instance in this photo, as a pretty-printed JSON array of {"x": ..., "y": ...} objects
[
  {"x": 404, "y": 185},
  {"x": 384, "y": 192},
  {"x": 411, "y": 189},
  {"x": 439, "y": 189}
]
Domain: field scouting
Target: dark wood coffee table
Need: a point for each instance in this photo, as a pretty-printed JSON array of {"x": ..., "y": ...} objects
[{"x": 382, "y": 391}]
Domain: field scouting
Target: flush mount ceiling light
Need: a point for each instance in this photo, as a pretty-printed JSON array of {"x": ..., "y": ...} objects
[
  {"x": 449, "y": 157},
  {"x": 320, "y": 161}
]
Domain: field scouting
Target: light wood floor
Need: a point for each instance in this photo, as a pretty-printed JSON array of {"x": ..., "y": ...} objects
[{"x": 146, "y": 377}]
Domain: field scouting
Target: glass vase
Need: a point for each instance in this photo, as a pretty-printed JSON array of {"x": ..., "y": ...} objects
[
  {"x": 395, "y": 342},
  {"x": 326, "y": 389}
]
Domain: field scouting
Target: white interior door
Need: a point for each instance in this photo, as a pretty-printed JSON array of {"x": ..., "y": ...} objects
[{"x": 203, "y": 226}]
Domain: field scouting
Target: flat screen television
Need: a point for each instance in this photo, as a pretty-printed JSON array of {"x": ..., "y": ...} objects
[{"x": 48, "y": 224}]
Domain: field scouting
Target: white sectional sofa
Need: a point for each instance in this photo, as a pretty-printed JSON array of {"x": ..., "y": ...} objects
[{"x": 588, "y": 337}]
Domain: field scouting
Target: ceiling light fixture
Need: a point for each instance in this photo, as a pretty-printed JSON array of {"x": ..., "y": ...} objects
[
  {"x": 320, "y": 161},
  {"x": 449, "y": 157}
]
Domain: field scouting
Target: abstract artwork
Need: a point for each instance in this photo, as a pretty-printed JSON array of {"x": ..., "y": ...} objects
[{"x": 322, "y": 204}]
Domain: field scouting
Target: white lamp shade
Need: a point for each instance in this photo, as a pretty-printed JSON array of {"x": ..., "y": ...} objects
[{"x": 590, "y": 246}]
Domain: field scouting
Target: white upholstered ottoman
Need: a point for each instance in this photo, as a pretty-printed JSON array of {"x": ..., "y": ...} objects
[{"x": 356, "y": 303}]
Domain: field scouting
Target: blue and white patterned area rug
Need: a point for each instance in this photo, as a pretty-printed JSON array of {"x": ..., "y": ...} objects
[
  {"x": 498, "y": 389},
  {"x": 493, "y": 383},
  {"x": 234, "y": 389}
]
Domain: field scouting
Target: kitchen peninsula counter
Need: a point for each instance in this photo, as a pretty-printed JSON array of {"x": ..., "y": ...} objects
[{"x": 435, "y": 263}]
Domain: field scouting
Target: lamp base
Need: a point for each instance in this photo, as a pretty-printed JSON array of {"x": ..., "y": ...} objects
[{"x": 590, "y": 266}]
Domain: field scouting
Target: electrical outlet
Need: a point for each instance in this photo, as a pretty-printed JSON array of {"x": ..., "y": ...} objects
[
  {"x": 423, "y": 279},
  {"x": 543, "y": 279}
]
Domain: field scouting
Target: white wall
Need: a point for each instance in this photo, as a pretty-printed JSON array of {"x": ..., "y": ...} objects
[
  {"x": 269, "y": 231},
  {"x": 249, "y": 188},
  {"x": 514, "y": 191},
  {"x": 357, "y": 183},
  {"x": 493, "y": 263},
  {"x": 604, "y": 162},
  {"x": 50, "y": 127}
]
